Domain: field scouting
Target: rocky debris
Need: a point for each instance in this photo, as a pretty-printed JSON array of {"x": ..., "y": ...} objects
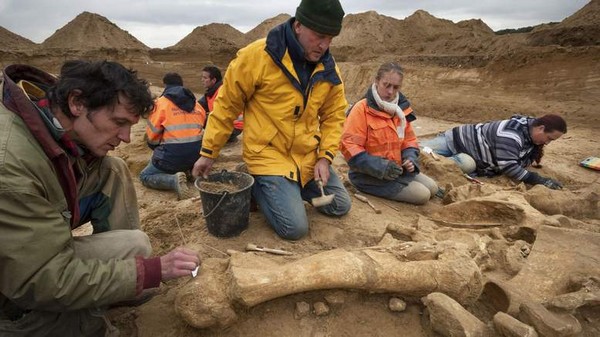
[
  {"x": 509, "y": 326},
  {"x": 321, "y": 309},
  {"x": 588, "y": 293},
  {"x": 547, "y": 323},
  {"x": 336, "y": 298},
  {"x": 397, "y": 305},
  {"x": 450, "y": 319},
  {"x": 302, "y": 309}
]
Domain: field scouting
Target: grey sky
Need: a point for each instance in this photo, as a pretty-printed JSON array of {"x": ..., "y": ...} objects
[{"x": 162, "y": 23}]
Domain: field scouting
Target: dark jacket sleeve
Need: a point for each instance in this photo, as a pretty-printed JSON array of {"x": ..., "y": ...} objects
[
  {"x": 412, "y": 154},
  {"x": 374, "y": 166}
]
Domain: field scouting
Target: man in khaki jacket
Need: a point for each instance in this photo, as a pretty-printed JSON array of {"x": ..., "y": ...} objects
[
  {"x": 290, "y": 90},
  {"x": 55, "y": 176}
]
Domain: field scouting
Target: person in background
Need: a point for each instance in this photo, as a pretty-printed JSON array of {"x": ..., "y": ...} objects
[
  {"x": 290, "y": 90},
  {"x": 380, "y": 144},
  {"x": 502, "y": 147},
  {"x": 56, "y": 176},
  {"x": 212, "y": 81},
  {"x": 174, "y": 133}
]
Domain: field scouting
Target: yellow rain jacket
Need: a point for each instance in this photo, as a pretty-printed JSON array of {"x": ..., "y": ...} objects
[{"x": 286, "y": 130}]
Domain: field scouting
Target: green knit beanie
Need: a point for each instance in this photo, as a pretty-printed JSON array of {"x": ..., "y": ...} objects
[{"x": 322, "y": 16}]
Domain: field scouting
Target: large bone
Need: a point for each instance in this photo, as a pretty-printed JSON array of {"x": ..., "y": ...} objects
[{"x": 212, "y": 298}]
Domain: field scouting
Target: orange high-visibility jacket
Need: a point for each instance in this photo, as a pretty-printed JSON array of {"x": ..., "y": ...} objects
[
  {"x": 169, "y": 124},
  {"x": 374, "y": 131},
  {"x": 173, "y": 133},
  {"x": 238, "y": 123}
]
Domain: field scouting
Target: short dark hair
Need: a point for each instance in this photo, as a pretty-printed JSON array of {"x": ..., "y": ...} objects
[
  {"x": 551, "y": 123},
  {"x": 214, "y": 72},
  {"x": 100, "y": 83},
  {"x": 172, "y": 79}
]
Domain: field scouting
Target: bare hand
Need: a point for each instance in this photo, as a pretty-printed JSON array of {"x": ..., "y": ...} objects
[
  {"x": 322, "y": 170},
  {"x": 202, "y": 167},
  {"x": 408, "y": 166},
  {"x": 178, "y": 262}
]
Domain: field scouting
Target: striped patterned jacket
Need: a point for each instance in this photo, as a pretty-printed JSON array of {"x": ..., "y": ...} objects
[{"x": 498, "y": 147}]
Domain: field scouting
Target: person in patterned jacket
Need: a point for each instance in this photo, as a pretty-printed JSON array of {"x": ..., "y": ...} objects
[{"x": 505, "y": 147}]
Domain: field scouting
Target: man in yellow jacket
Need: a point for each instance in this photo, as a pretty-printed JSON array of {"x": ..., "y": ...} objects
[{"x": 290, "y": 90}]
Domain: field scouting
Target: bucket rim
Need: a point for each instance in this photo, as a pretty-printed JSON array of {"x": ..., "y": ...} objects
[{"x": 200, "y": 179}]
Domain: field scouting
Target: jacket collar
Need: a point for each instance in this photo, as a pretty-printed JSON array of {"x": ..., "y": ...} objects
[
  {"x": 17, "y": 101},
  {"x": 278, "y": 44},
  {"x": 210, "y": 92},
  {"x": 403, "y": 103}
]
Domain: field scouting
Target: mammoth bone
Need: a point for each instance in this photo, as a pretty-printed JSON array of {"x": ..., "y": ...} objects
[{"x": 245, "y": 280}]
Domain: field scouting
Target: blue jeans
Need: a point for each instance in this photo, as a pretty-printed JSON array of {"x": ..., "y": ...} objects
[
  {"x": 281, "y": 201},
  {"x": 153, "y": 177},
  {"x": 439, "y": 145}
]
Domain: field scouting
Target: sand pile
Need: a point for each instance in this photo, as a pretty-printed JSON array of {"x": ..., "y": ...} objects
[
  {"x": 579, "y": 29},
  {"x": 264, "y": 27},
  {"x": 10, "y": 41},
  {"x": 368, "y": 35},
  {"x": 90, "y": 31},
  {"x": 215, "y": 36}
]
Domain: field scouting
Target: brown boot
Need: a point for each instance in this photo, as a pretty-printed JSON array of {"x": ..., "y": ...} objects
[{"x": 183, "y": 191}]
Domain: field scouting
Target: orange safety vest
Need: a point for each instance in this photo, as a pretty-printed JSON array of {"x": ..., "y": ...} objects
[
  {"x": 168, "y": 124},
  {"x": 374, "y": 131}
]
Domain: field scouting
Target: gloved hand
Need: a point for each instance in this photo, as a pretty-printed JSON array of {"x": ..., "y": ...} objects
[
  {"x": 552, "y": 184},
  {"x": 392, "y": 171}
]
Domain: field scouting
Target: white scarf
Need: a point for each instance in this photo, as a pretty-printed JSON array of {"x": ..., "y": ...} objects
[{"x": 392, "y": 108}]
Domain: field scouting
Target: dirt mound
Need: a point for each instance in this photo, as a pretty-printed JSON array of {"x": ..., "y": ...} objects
[
  {"x": 588, "y": 15},
  {"x": 264, "y": 27},
  {"x": 477, "y": 26},
  {"x": 366, "y": 35},
  {"x": 215, "y": 36},
  {"x": 579, "y": 29},
  {"x": 10, "y": 41},
  {"x": 90, "y": 31},
  {"x": 216, "y": 41},
  {"x": 419, "y": 34},
  {"x": 440, "y": 36}
]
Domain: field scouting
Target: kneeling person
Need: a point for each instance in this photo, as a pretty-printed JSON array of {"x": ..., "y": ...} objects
[
  {"x": 380, "y": 144},
  {"x": 174, "y": 133}
]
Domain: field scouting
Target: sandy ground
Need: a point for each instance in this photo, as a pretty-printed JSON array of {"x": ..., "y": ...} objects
[
  {"x": 360, "y": 314},
  {"x": 454, "y": 73}
]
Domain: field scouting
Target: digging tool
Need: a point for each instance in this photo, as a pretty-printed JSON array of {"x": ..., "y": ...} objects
[
  {"x": 323, "y": 199},
  {"x": 255, "y": 248},
  {"x": 364, "y": 199},
  {"x": 473, "y": 180}
]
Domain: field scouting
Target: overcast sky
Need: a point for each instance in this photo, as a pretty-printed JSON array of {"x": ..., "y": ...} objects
[{"x": 162, "y": 23}]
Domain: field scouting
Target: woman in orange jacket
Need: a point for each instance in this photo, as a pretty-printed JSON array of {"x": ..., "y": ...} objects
[{"x": 380, "y": 144}]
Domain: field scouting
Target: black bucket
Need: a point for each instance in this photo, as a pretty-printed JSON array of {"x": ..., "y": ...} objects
[{"x": 226, "y": 211}]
